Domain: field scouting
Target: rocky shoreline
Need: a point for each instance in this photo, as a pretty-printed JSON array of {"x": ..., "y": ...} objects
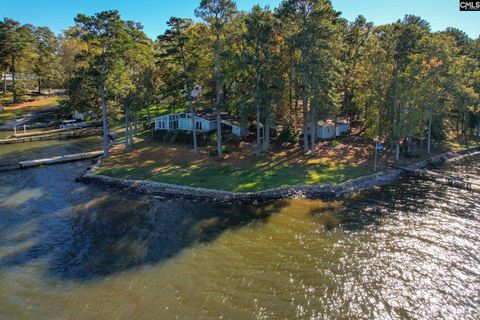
[{"x": 323, "y": 192}]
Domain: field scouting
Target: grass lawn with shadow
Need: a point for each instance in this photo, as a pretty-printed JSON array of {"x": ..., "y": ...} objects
[
  {"x": 240, "y": 171},
  {"x": 14, "y": 112}
]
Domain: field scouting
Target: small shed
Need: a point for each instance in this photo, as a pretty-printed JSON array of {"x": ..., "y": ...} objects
[
  {"x": 234, "y": 125},
  {"x": 326, "y": 129}
]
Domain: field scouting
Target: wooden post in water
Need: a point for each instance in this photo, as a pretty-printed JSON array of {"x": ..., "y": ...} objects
[
  {"x": 24, "y": 128},
  {"x": 14, "y": 129}
]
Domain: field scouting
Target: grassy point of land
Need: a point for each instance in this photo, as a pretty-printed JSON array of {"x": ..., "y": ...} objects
[{"x": 240, "y": 171}]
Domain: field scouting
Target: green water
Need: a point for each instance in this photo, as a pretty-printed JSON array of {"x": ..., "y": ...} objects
[{"x": 75, "y": 251}]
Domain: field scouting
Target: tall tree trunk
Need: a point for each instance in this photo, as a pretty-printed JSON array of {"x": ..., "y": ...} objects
[
  {"x": 305, "y": 112},
  {"x": 106, "y": 139},
  {"x": 266, "y": 136},
  {"x": 130, "y": 131},
  {"x": 194, "y": 125},
  {"x": 127, "y": 127},
  {"x": 421, "y": 135},
  {"x": 305, "y": 100},
  {"x": 290, "y": 98},
  {"x": 257, "y": 116},
  {"x": 394, "y": 122},
  {"x": 335, "y": 125},
  {"x": 457, "y": 124},
  {"x": 305, "y": 122},
  {"x": 296, "y": 114},
  {"x": 135, "y": 115},
  {"x": 313, "y": 136},
  {"x": 5, "y": 79},
  {"x": 313, "y": 116},
  {"x": 217, "y": 97},
  {"x": 478, "y": 128},
  {"x": 465, "y": 125},
  {"x": 429, "y": 142},
  {"x": 14, "y": 87},
  {"x": 39, "y": 82},
  {"x": 149, "y": 117}
]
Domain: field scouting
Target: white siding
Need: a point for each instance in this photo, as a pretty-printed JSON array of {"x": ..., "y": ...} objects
[
  {"x": 327, "y": 131},
  {"x": 212, "y": 125},
  {"x": 184, "y": 123},
  {"x": 236, "y": 131}
]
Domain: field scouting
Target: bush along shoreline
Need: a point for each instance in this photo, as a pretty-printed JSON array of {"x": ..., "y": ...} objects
[{"x": 321, "y": 192}]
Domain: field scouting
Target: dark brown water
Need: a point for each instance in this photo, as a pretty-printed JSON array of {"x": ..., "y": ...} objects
[{"x": 74, "y": 251}]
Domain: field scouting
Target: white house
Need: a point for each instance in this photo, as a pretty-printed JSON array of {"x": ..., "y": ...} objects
[
  {"x": 204, "y": 122},
  {"x": 326, "y": 129}
]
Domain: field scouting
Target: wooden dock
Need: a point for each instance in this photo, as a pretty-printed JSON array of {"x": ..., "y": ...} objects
[
  {"x": 35, "y": 133},
  {"x": 53, "y": 136},
  {"x": 455, "y": 180},
  {"x": 50, "y": 161}
]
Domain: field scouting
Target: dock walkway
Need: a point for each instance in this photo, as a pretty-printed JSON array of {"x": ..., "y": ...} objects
[
  {"x": 452, "y": 179},
  {"x": 50, "y": 161}
]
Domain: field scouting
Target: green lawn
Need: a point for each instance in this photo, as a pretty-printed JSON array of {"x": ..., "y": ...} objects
[
  {"x": 241, "y": 176},
  {"x": 458, "y": 143},
  {"x": 15, "y": 112},
  {"x": 5, "y": 98}
]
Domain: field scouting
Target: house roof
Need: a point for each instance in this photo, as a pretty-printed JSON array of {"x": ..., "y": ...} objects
[
  {"x": 331, "y": 123},
  {"x": 208, "y": 114}
]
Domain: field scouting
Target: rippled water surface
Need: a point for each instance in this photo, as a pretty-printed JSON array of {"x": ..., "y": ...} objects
[{"x": 75, "y": 251}]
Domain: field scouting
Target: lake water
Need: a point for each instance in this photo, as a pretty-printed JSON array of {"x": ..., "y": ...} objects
[{"x": 74, "y": 251}]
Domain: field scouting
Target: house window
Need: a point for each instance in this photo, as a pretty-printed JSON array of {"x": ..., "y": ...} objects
[
  {"x": 199, "y": 125},
  {"x": 174, "y": 125}
]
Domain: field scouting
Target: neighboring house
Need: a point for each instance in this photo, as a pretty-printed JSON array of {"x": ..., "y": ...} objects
[
  {"x": 205, "y": 121},
  {"x": 18, "y": 77},
  {"x": 82, "y": 116},
  {"x": 326, "y": 129}
]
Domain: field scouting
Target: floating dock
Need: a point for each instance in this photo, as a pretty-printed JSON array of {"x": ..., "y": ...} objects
[
  {"x": 52, "y": 160},
  {"x": 455, "y": 180}
]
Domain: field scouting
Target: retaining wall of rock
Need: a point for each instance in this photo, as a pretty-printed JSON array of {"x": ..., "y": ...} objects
[{"x": 324, "y": 192}]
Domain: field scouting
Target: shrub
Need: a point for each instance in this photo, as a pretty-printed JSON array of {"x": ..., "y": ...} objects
[
  {"x": 214, "y": 152},
  {"x": 287, "y": 135},
  {"x": 334, "y": 143},
  {"x": 148, "y": 126}
]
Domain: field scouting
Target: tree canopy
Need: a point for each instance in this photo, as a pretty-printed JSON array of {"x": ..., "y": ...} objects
[{"x": 281, "y": 69}]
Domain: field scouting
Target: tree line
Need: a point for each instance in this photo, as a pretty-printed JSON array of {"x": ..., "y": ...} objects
[{"x": 281, "y": 69}]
